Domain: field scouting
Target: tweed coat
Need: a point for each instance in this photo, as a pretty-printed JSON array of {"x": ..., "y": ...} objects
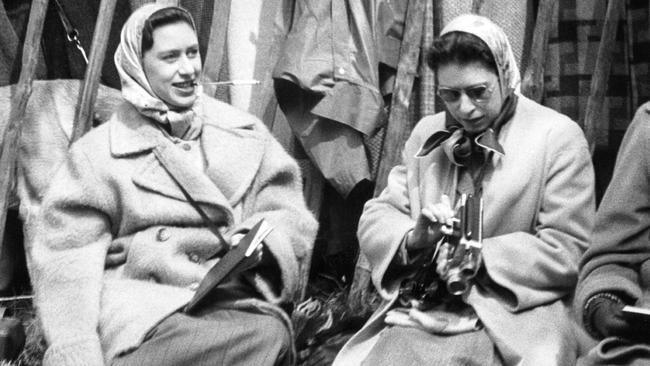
[
  {"x": 112, "y": 191},
  {"x": 619, "y": 259},
  {"x": 538, "y": 215}
]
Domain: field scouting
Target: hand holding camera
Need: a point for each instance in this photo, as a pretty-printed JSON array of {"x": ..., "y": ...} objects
[{"x": 434, "y": 222}]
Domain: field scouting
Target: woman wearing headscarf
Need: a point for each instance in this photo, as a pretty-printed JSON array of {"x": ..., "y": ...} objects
[
  {"x": 126, "y": 188},
  {"x": 531, "y": 168}
]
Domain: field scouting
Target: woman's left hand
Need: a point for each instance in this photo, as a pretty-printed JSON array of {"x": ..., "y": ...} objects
[{"x": 432, "y": 321}]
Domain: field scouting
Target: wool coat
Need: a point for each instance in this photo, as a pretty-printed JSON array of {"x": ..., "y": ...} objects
[
  {"x": 112, "y": 192},
  {"x": 538, "y": 215},
  {"x": 619, "y": 259}
]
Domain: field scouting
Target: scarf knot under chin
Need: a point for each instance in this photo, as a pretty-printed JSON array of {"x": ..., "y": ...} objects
[{"x": 460, "y": 147}]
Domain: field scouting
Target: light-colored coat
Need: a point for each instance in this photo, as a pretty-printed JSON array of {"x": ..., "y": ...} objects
[
  {"x": 112, "y": 190},
  {"x": 538, "y": 215}
]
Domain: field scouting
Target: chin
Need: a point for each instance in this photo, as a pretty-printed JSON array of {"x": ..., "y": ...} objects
[{"x": 182, "y": 103}]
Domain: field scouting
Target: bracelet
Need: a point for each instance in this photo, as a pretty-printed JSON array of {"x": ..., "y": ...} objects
[{"x": 586, "y": 315}]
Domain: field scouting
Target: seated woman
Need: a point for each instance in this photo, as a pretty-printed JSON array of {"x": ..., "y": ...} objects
[
  {"x": 532, "y": 169},
  {"x": 142, "y": 182},
  {"x": 615, "y": 271}
]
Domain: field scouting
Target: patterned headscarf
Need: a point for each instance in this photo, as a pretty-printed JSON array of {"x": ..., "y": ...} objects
[
  {"x": 457, "y": 145},
  {"x": 497, "y": 42},
  {"x": 135, "y": 86}
]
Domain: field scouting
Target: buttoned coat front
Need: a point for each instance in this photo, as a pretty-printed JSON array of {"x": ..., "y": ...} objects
[
  {"x": 538, "y": 215},
  {"x": 113, "y": 191}
]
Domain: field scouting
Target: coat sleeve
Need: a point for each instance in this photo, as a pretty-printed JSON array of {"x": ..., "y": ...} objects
[
  {"x": 541, "y": 266},
  {"x": 387, "y": 218},
  {"x": 621, "y": 244},
  {"x": 67, "y": 262},
  {"x": 276, "y": 196}
]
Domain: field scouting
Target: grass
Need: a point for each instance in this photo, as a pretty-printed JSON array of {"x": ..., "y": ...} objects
[{"x": 32, "y": 354}]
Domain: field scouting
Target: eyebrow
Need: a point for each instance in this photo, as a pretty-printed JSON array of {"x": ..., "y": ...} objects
[{"x": 177, "y": 50}]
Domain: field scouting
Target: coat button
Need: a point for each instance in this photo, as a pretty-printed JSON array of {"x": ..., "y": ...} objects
[
  {"x": 153, "y": 278},
  {"x": 341, "y": 70},
  {"x": 194, "y": 258},
  {"x": 186, "y": 147},
  {"x": 163, "y": 234}
]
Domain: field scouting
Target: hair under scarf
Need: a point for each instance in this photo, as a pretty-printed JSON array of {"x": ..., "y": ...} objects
[
  {"x": 497, "y": 42},
  {"x": 135, "y": 86},
  {"x": 459, "y": 147}
]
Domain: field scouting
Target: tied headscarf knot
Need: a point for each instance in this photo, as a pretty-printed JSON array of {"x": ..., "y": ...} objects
[
  {"x": 459, "y": 146},
  {"x": 136, "y": 89}
]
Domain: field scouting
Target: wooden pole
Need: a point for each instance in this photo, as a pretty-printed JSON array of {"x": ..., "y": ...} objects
[
  {"x": 593, "y": 121},
  {"x": 216, "y": 45},
  {"x": 83, "y": 121},
  {"x": 397, "y": 130},
  {"x": 532, "y": 84},
  {"x": 629, "y": 60},
  {"x": 22, "y": 92}
]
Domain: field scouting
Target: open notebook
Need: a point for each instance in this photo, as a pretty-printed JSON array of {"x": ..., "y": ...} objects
[{"x": 238, "y": 259}]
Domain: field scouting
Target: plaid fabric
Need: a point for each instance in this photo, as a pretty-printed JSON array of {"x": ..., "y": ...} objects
[{"x": 570, "y": 62}]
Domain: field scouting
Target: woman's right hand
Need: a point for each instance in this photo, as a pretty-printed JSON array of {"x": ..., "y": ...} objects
[{"x": 433, "y": 223}]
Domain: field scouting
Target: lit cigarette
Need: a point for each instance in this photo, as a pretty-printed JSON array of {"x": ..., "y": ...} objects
[{"x": 232, "y": 82}]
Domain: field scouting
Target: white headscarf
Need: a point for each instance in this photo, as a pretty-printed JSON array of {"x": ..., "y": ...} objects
[
  {"x": 497, "y": 42},
  {"x": 135, "y": 86}
]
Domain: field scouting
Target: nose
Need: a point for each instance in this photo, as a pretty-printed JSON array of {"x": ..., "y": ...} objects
[
  {"x": 465, "y": 104},
  {"x": 185, "y": 66}
]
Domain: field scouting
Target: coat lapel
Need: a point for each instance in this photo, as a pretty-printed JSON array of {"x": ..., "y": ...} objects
[
  {"x": 160, "y": 170},
  {"x": 233, "y": 158}
]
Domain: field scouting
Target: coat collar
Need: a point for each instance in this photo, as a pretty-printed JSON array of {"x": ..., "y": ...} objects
[
  {"x": 233, "y": 151},
  {"x": 131, "y": 133}
]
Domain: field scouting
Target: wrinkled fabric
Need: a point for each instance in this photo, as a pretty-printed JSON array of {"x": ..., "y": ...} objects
[
  {"x": 135, "y": 86},
  {"x": 331, "y": 51},
  {"x": 327, "y": 84}
]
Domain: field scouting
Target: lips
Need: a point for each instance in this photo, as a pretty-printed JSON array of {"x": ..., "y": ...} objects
[
  {"x": 187, "y": 86},
  {"x": 473, "y": 121}
]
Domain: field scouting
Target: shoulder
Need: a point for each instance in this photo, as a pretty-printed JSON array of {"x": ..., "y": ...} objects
[
  {"x": 216, "y": 113},
  {"x": 425, "y": 127},
  {"x": 640, "y": 124},
  {"x": 552, "y": 127},
  {"x": 94, "y": 141}
]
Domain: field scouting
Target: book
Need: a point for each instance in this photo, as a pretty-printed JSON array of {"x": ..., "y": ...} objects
[
  {"x": 238, "y": 259},
  {"x": 636, "y": 313}
]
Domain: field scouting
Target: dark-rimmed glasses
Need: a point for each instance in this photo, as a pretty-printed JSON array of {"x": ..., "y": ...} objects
[{"x": 479, "y": 94}]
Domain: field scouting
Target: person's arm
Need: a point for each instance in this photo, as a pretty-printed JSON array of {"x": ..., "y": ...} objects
[
  {"x": 67, "y": 261},
  {"x": 541, "y": 267},
  {"x": 388, "y": 221},
  {"x": 621, "y": 242},
  {"x": 276, "y": 196}
]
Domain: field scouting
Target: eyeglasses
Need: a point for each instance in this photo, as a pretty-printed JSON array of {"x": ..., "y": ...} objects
[{"x": 478, "y": 94}]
